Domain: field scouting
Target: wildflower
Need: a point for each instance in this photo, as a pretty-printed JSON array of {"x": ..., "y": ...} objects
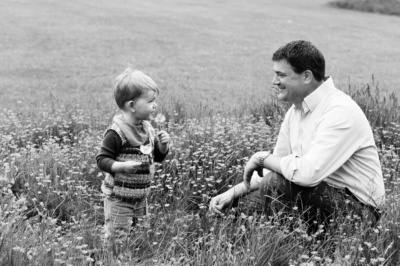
[
  {"x": 17, "y": 248},
  {"x": 160, "y": 118}
]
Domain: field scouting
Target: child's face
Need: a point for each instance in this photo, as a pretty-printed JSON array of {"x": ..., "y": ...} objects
[{"x": 145, "y": 105}]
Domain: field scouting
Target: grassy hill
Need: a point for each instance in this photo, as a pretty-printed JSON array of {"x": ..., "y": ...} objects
[{"x": 199, "y": 50}]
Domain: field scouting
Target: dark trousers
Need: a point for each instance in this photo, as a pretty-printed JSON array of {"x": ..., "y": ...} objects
[{"x": 319, "y": 205}]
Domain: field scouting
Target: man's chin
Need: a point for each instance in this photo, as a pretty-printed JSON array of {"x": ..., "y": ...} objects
[{"x": 281, "y": 97}]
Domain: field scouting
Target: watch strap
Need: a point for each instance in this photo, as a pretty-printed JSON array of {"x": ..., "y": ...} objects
[{"x": 262, "y": 159}]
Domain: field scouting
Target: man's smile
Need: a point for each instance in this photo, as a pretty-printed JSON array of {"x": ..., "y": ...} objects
[{"x": 278, "y": 89}]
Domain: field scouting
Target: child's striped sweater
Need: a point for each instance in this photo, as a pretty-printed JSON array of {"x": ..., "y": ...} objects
[{"x": 116, "y": 147}]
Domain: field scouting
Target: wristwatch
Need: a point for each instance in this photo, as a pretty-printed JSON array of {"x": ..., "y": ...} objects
[{"x": 262, "y": 158}]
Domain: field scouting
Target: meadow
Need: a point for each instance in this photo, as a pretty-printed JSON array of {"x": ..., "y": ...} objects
[
  {"x": 51, "y": 207},
  {"x": 212, "y": 64}
]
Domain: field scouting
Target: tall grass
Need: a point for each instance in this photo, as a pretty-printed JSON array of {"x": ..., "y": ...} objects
[{"x": 51, "y": 206}]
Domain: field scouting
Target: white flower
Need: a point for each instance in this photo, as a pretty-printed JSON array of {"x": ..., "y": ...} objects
[
  {"x": 160, "y": 118},
  {"x": 146, "y": 149}
]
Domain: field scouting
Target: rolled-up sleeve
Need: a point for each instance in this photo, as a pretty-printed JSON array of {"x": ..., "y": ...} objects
[{"x": 337, "y": 138}]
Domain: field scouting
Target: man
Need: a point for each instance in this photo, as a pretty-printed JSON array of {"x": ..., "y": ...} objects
[{"x": 325, "y": 161}]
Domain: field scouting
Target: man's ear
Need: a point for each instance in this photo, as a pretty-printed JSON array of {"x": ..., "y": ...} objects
[{"x": 308, "y": 76}]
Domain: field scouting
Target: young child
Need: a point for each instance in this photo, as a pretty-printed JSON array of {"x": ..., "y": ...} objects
[{"x": 128, "y": 152}]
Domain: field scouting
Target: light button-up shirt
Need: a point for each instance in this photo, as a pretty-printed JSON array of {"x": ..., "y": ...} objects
[{"x": 329, "y": 139}]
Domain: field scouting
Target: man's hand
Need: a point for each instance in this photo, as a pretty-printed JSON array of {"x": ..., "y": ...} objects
[
  {"x": 130, "y": 167},
  {"x": 218, "y": 203},
  {"x": 252, "y": 165}
]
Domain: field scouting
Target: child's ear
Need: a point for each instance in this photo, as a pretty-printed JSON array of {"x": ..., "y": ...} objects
[{"x": 131, "y": 106}]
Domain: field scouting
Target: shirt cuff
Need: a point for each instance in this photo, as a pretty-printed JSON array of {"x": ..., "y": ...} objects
[
  {"x": 288, "y": 166},
  {"x": 256, "y": 178}
]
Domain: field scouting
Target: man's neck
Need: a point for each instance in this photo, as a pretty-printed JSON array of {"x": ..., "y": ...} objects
[{"x": 313, "y": 86}]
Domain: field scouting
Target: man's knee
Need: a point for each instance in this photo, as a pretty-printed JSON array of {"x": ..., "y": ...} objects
[{"x": 271, "y": 183}]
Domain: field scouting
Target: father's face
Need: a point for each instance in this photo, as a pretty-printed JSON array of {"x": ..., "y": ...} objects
[{"x": 287, "y": 83}]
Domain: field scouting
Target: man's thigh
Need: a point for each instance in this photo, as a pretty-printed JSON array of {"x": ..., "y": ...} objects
[{"x": 320, "y": 203}]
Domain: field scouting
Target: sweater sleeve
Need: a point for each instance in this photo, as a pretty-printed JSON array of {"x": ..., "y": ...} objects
[
  {"x": 158, "y": 155},
  {"x": 109, "y": 150}
]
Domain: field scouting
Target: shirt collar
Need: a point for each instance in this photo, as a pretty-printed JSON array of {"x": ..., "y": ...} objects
[{"x": 313, "y": 99}]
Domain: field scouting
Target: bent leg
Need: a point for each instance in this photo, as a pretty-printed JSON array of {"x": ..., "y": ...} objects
[
  {"x": 277, "y": 194},
  {"x": 318, "y": 205}
]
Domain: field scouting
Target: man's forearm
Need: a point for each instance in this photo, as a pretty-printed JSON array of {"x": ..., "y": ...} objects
[
  {"x": 273, "y": 163},
  {"x": 240, "y": 189}
]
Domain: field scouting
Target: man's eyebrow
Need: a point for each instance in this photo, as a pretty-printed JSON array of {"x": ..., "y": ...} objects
[{"x": 279, "y": 72}]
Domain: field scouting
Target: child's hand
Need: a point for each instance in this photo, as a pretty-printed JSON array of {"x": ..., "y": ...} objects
[
  {"x": 131, "y": 166},
  {"x": 163, "y": 137}
]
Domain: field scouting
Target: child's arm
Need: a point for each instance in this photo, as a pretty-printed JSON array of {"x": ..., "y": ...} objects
[
  {"x": 125, "y": 167},
  {"x": 110, "y": 148},
  {"x": 161, "y": 148}
]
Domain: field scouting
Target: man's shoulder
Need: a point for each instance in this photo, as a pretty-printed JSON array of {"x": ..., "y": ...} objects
[
  {"x": 343, "y": 107},
  {"x": 338, "y": 98}
]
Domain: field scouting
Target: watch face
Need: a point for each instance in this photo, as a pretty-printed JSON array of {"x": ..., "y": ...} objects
[{"x": 261, "y": 162}]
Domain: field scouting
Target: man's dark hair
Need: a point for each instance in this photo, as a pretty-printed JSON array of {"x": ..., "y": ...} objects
[{"x": 302, "y": 56}]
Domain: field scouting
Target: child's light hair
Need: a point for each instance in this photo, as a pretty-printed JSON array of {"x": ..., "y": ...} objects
[{"x": 131, "y": 84}]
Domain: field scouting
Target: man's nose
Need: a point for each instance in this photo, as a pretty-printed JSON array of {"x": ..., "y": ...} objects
[{"x": 275, "y": 80}]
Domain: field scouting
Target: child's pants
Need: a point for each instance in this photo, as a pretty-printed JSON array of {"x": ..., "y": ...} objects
[{"x": 120, "y": 215}]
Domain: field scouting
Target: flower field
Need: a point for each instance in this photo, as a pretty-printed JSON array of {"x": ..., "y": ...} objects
[{"x": 51, "y": 209}]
